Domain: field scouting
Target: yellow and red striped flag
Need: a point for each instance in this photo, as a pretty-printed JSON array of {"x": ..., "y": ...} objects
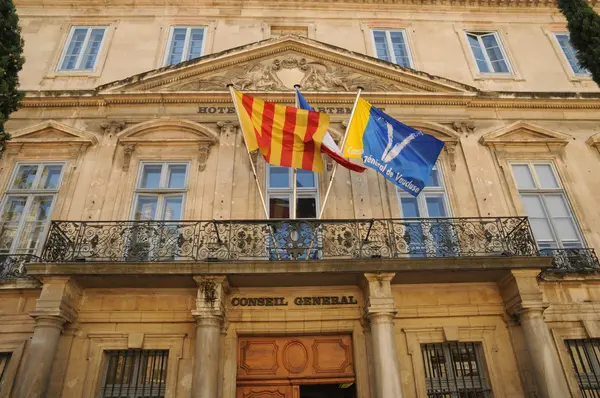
[{"x": 286, "y": 136}]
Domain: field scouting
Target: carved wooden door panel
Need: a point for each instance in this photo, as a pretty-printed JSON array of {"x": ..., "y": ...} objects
[{"x": 265, "y": 392}]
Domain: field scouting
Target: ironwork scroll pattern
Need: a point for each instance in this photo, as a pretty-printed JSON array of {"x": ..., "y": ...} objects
[
  {"x": 238, "y": 240},
  {"x": 12, "y": 266},
  {"x": 572, "y": 260}
]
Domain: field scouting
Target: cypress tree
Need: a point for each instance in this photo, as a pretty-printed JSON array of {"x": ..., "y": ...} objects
[
  {"x": 584, "y": 30},
  {"x": 11, "y": 62}
]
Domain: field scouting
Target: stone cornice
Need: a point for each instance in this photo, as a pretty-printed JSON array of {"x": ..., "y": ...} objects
[
  {"x": 565, "y": 100},
  {"x": 311, "y": 4}
]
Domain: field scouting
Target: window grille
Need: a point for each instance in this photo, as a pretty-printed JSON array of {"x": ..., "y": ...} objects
[
  {"x": 455, "y": 370},
  {"x": 135, "y": 374},
  {"x": 585, "y": 358},
  {"x": 4, "y": 358}
]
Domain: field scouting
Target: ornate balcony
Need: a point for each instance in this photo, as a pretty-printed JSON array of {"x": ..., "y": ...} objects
[
  {"x": 12, "y": 266},
  {"x": 572, "y": 260},
  {"x": 269, "y": 240}
]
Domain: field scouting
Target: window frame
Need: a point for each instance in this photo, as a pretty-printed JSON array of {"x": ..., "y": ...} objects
[
  {"x": 80, "y": 57},
  {"x": 301, "y": 192},
  {"x": 186, "y": 46},
  {"x": 161, "y": 192},
  {"x": 30, "y": 194},
  {"x": 421, "y": 199},
  {"x": 586, "y": 72},
  {"x": 388, "y": 42},
  {"x": 479, "y": 34},
  {"x": 540, "y": 192}
]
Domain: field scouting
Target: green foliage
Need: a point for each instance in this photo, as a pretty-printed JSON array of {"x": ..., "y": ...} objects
[
  {"x": 11, "y": 62},
  {"x": 584, "y": 30}
]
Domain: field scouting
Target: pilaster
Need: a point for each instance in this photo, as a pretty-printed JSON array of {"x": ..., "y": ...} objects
[
  {"x": 380, "y": 310},
  {"x": 523, "y": 300},
  {"x": 210, "y": 319},
  {"x": 57, "y": 305}
]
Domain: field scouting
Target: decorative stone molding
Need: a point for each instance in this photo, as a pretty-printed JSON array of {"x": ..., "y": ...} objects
[
  {"x": 228, "y": 127},
  {"x": 60, "y": 297},
  {"x": 254, "y": 157},
  {"x": 522, "y": 133},
  {"x": 203, "y": 153},
  {"x": 329, "y": 163},
  {"x": 520, "y": 292},
  {"x": 451, "y": 151},
  {"x": 112, "y": 127},
  {"x": 128, "y": 150},
  {"x": 52, "y": 132},
  {"x": 210, "y": 300},
  {"x": 464, "y": 127},
  {"x": 378, "y": 290},
  {"x": 594, "y": 141}
]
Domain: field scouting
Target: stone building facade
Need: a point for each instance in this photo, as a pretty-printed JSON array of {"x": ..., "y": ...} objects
[{"x": 137, "y": 260}]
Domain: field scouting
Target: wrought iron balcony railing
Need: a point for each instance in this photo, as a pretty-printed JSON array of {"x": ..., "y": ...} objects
[
  {"x": 572, "y": 260},
  {"x": 233, "y": 240},
  {"x": 12, "y": 266}
]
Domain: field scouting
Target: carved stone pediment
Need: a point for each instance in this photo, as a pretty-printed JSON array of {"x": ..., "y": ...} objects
[
  {"x": 523, "y": 133},
  {"x": 280, "y": 63},
  {"x": 51, "y": 131}
]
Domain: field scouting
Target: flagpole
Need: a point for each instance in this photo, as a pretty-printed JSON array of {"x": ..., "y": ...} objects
[
  {"x": 262, "y": 198},
  {"x": 335, "y": 166}
]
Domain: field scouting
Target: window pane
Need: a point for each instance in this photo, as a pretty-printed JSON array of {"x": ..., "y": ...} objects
[
  {"x": 31, "y": 236},
  {"x": 434, "y": 178},
  {"x": 177, "y": 44},
  {"x": 92, "y": 50},
  {"x": 13, "y": 209},
  {"x": 523, "y": 176},
  {"x": 570, "y": 54},
  {"x": 7, "y": 236},
  {"x": 541, "y": 229},
  {"x": 400, "y": 49},
  {"x": 279, "y": 208},
  {"x": 305, "y": 179},
  {"x": 533, "y": 206},
  {"x": 565, "y": 229},
  {"x": 176, "y": 178},
  {"x": 306, "y": 208},
  {"x": 410, "y": 207},
  {"x": 173, "y": 207},
  {"x": 151, "y": 176},
  {"x": 196, "y": 38},
  {"x": 25, "y": 177},
  {"x": 435, "y": 206},
  {"x": 40, "y": 208},
  {"x": 381, "y": 47},
  {"x": 478, "y": 53},
  {"x": 545, "y": 176},
  {"x": 74, "y": 49},
  {"x": 146, "y": 207},
  {"x": 557, "y": 206},
  {"x": 492, "y": 48},
  {"x": 279, "y": 177},
  {"x": 50, "y": 177}
]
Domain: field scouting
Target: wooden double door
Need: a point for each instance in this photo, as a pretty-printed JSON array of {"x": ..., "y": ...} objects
[{"x": 277, "y": 366}]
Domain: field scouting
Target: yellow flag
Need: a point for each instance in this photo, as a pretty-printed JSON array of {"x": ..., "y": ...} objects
[{"x": 354, "y": 143}]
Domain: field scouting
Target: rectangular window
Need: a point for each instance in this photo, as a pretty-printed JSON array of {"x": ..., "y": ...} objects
[
  {"x": 392, "y": 46},
  {"x": 455, "y": 370},
  {"x": 277, "y": 31},
  {"x": 27, "y": 206},
  {"x": 570, "y": 54},
  {"x": 160, "y": 191},
  {"x": 185, "y": 43},
  {"x": 585, "y": 358},
  {"x": 546, "y": 206},
  {"x": 82, "y": 48},
  {"x": 135, "y": 374},
  {"x": 4, "y": 359},
  {"x": 279, "y": 192},
  {"x": 434, "y": 237},
  {"x": 487, "y": 51}
]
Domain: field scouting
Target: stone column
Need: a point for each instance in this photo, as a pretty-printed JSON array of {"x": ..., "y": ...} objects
[
  {"x": 209, "y": 315},
  {"x": 57, "y": 305},
  {"x": 523, "y": 299},
  {"x": 380, "y": 313}
]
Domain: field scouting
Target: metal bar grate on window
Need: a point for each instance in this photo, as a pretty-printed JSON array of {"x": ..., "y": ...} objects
[
  {"x": 4, "y": 358},
  {"x": 455, "y": 370},
  {"x": 585, "y": 358},
  {"x": 135, "y": 374}
]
